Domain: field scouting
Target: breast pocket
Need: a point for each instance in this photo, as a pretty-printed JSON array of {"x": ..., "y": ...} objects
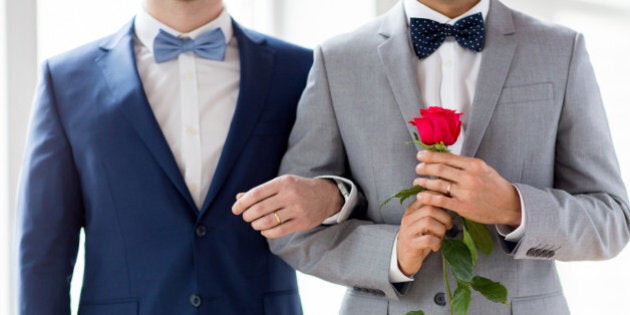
[{"x": 530, "y": 93}]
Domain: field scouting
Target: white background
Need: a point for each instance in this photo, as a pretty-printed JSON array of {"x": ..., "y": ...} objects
[{"x": 590, "y": 287}]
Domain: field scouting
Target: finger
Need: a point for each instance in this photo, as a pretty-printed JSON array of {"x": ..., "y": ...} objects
[
  {"x": 256, "y": 195},
  {"x": 239, "y": 195},
  {"x": 270, "y": 220},
  {"x": 427, "y": 241},
  {"x": 435, "y": 213},
  {"x": 430, "y": 226},
  {"x": 413, "y": 207},
  {"x": 435, "y": 184},
  {"x": 281, "y": 230},
  {"x": 441, "y": 170},
  {"x": 432, "y": 157},
  {"x": 434, "y": 199},
  {"x": 262, "y": 208}
]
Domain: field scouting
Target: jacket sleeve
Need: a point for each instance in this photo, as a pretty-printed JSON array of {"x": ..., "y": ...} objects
[
  {"x": 356, "y": 252},
  {"x": 49, "y": 210},
  {"x": 585, "y": 215}
]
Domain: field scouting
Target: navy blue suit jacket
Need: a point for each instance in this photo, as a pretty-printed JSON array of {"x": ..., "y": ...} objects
[{"x": 97, "y": 159}]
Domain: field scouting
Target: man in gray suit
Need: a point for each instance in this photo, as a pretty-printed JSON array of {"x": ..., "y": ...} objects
[{"x": 535, "y": 160}]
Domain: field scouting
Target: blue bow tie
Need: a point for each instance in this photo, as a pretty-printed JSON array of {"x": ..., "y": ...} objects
[
  {"x": 427, "y": 35},
  {"x": 209, "y": 45}
]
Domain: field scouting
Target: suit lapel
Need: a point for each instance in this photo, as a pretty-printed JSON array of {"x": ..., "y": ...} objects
[
  {"x": 257, "y": 63},
  {"x": 495, "y": 64},
  {"x": 120, "y": 71},
  {"x": 399, "y": 64}
]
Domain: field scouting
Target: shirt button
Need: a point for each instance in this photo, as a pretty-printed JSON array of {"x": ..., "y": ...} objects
[
  {"x": 188, "y": 76},
  {"x": 191, "y": 131},
  {"x": 440, "y": 299},
  {"x": 201, "y": 230},
  {"x": 193, "y": 189},
  {"x": 448, "y": 63},
  {"x": 195, "y": 300}
]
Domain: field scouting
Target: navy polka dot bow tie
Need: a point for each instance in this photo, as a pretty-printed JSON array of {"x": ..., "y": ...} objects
[{"x": 427, "y": 35}]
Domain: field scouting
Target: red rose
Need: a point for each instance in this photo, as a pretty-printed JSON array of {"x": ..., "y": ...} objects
[{"x": 438, "y": 124}]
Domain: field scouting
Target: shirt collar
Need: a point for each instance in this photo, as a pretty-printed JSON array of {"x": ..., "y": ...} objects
[
  {"x": 415, "y": 9},
  {"x": 146, "y": 28}
]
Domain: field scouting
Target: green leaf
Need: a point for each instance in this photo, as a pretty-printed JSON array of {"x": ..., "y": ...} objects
[
  {"x": 493, "y": 291},
  {"x": 404, "y": 194},
  {"x": 480, "y": 235},
  {"x": 418, "y": 312},
  {"x": 470, "y": 243},
  {"x": 461, "y": 298},
  {"x": 458, "y": 258},
  {"x": 416, "y": 137}
]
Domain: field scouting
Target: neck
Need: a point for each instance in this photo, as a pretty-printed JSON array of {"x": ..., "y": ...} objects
[
  {"x": 450, "y": 8},
  {"x": 184, "y": 15}
]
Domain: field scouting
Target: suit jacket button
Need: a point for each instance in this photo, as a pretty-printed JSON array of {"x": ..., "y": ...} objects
[
  {"x": 547, "y": 253},
  {"x": 534, "y": 252},
  {"x": 440, "y": 299},
  {"x": 195, "y": 300},
  {"x": 201, "y": 230}
]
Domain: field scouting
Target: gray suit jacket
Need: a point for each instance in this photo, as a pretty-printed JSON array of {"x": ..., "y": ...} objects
[{"x": 537, "y": 118}]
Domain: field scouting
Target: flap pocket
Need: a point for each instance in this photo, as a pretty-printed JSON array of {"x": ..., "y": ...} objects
[
  {"x": 118, "y": 307},
  {"x": 361, "y": 302},
  {"x": 526, "y": 93},
  {"x": 549, "y": 304}
]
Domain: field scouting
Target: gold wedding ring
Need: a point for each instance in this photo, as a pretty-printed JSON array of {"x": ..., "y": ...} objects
[{"x": 275, "y": 214}]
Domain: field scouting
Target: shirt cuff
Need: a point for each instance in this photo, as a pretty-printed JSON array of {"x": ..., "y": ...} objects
[
  {"x": 514, "y": 234},
  {"x": 395, "y": 275},
  {"x": 349, "y": 203}
]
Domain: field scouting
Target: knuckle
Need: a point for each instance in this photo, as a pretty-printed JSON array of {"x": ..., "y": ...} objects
[
  {"x": 256, "y": 211},
  {"x": 440, "y": 168},
  {"x": 433, "y": 199},
  {"x": 479, "y": 166},
  {"x": 405, "y": 220},
  {"x": 256, "y": 225},
  {"x": 431, "y": 211},
  {"x": 287, "y": 179},
  {"x": 467, "y": 195},
  {"x": 256, "y": 194},
  {"x": 469, "y": 178}
]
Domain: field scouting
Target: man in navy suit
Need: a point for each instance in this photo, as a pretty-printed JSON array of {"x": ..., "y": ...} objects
[{"x": 144, "y": 139}]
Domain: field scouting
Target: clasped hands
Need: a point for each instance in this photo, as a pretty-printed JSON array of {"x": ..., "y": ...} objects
[{"x": 465, "y": 185}]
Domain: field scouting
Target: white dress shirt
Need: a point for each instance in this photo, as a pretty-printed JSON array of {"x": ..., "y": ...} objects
[
  {"x": 448, "y": 78},
  {"x": 193, "y": 99}
]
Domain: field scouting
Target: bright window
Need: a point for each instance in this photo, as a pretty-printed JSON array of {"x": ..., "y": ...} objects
[{"x": 5, "y": 225}]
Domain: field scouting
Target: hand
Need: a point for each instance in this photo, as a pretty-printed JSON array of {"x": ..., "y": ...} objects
[
  {"x": 470, "y": 187},
  {"x": 288, "y": 204},
  {"x": 422, "y": 230}
]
